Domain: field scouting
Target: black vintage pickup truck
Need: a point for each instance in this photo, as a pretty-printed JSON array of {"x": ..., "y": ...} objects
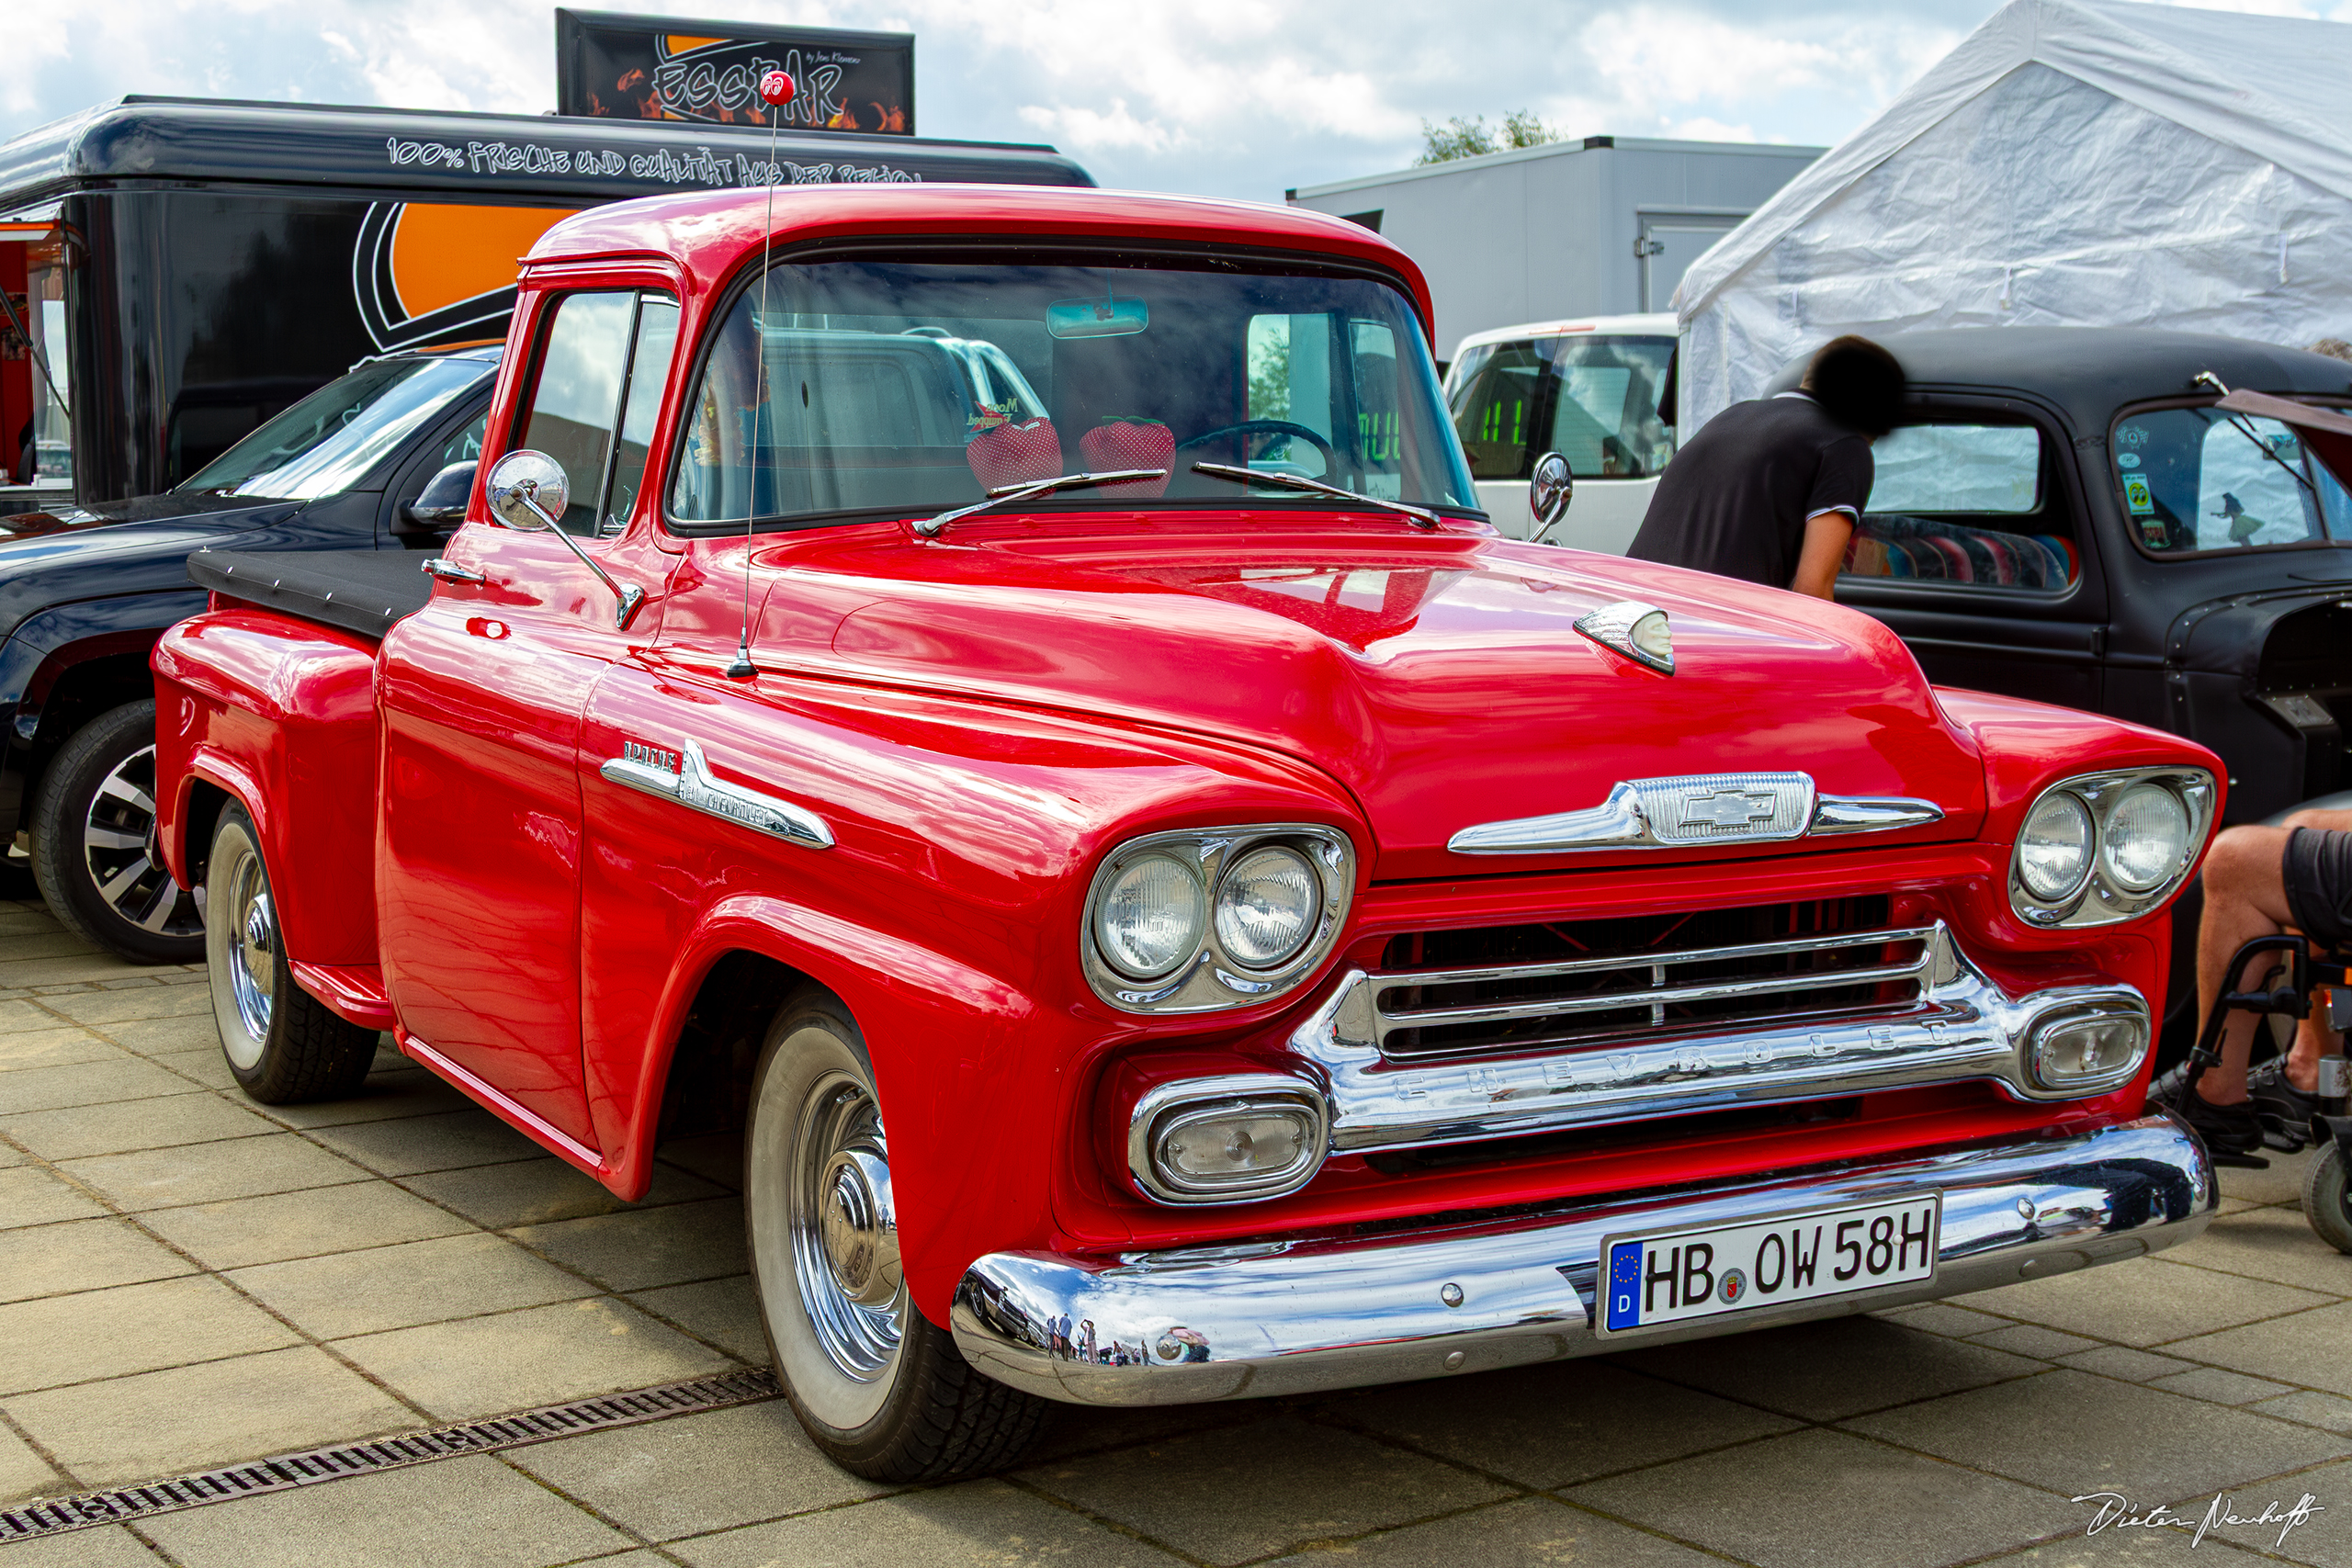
[
  {"x": 2142, "y": 524},
  {"x": 383, "y": 458}
]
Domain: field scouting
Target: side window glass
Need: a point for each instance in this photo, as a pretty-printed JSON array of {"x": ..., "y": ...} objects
[
  {"x": 648, "y": 369},
  {"x": 1958, "y": 467},
  {"x": 1958, "y": 503},
  {"x": 1495, "y": 414},
  {"x": 603, "y": 360},
  {"x": 583, "y": 361}
]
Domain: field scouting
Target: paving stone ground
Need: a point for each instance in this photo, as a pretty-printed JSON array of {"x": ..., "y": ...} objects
[{"x": 188, "y": 1279}]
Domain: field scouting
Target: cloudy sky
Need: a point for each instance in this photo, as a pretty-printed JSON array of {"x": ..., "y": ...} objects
[{"x": 1228, "y": 98}]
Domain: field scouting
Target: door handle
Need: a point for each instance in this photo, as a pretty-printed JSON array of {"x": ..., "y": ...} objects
[{"x": 437, "y": 567}]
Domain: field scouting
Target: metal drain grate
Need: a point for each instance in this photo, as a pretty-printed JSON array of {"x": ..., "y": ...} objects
[{"x": 310, "y": 1468}]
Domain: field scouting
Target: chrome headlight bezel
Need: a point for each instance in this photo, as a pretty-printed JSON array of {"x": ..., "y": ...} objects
[
  {"x": 1210, "y": 980},
  {"x": 2099, "y": 899}
]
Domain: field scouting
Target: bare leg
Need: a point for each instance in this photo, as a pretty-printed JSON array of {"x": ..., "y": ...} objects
[
  {"x": 2246, "y": 897},
  {"x": 2313, "y": 1041}
]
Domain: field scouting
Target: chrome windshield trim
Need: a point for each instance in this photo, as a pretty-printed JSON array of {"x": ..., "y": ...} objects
[
  {"x": 1301, "y": 1314},
  {"x": 1699, "y": 809},
  {"x": 1962, "y": 1027},
  {"x": 693, "y": 786}
]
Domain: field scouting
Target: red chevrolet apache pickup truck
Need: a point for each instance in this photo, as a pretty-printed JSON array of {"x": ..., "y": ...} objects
[{"x": 1007, "y": 697}]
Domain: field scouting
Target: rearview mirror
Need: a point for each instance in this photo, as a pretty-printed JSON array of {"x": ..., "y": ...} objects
[
  {"x": 529, "y": 490},
  {"x": 441, "y": 504},
  {"x": 1549, "y": 490},
  {"x": 1106, "y": 317}
]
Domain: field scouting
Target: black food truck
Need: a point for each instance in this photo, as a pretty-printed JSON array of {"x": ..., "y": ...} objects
[{"x": 270, "y": 326}]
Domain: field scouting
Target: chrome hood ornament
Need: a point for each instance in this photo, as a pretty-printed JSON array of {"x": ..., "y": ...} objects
[
  {"x": 1639, "y": 631},
  {"x": 1696, "y": 809}
]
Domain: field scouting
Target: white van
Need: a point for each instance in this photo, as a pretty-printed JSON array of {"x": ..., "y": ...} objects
[{"x": 1587, "y": 389}]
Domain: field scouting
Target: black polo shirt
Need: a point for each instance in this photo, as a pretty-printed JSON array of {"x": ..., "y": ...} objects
[{"x": 1735, "y": 501}]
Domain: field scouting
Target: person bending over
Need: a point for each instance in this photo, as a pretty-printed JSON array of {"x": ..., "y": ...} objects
[
  {"x": 1770, "y": 489},
  {"x": 2261, "y": 881}
]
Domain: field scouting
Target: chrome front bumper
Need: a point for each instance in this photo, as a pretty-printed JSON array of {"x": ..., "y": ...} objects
[{"x": 1285, "y": 1317}]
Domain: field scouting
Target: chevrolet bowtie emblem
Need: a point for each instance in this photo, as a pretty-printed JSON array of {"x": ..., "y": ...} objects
[{"x": 1729, "y": 808}]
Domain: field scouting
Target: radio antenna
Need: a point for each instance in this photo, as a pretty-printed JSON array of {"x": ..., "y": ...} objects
[{"x": 776, "y": 90}]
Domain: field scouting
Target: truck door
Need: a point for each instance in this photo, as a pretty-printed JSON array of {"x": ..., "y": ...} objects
[
  {"x": 1973, "y": 549},
  {"x": 481, "y": 694}
]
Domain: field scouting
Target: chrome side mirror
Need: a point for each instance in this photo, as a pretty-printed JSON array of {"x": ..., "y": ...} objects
[
  {"x": 527, "y": 491},
  {"x": 1548, "y": 490}
]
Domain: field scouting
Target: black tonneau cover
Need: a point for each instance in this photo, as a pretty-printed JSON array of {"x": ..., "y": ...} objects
[{"x": 360, "y": 590}]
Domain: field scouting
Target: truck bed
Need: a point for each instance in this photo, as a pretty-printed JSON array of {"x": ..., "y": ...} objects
[{"x": 359, "y": 591}]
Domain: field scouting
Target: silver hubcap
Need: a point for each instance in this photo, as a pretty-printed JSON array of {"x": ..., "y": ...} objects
[
  {"x": 253, "y": 953},
  {"x": 119, "y": 847},
  {"x": 844, "y": 1231}
]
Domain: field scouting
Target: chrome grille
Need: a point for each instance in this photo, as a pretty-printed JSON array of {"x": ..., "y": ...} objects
[{"x": 1564, "y": 985}]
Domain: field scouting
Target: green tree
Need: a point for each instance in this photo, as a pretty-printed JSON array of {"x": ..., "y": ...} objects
[{"x": 1460, "y": 138}]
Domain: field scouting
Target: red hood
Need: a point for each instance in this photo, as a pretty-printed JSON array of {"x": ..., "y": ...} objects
[{"x": 1436, "y": 676}]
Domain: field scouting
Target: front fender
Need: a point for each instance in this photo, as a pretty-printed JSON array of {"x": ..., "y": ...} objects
[{"x": 901, "y": 994}]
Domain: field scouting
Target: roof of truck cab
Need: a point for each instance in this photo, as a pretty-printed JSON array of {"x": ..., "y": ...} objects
[
  {"x": 2092, "y": 371},
  {"x": 714, "y": 234}
]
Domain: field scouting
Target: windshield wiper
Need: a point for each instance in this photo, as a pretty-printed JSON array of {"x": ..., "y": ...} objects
[
  {"x": 931, "y": 527},
  {"x": 2236, "y": 421},
  {"x": 1420, "y": 516}
]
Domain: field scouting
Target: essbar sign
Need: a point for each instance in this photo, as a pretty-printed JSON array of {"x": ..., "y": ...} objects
[{"x": 614, "y": 66}]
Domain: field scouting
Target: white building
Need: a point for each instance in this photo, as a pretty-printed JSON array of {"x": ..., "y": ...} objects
[
  {"x": 2088, "y": 163},
  {"x": 1599, "y": 227}
]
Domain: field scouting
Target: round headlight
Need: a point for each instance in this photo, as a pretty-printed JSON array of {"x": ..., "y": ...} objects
[
  {"x": 1150, "y": 917},
  {"x": 2054, "y": 848},
  {"x": 2148, "y": 835},
  {"x": 1266, "y": 907}
]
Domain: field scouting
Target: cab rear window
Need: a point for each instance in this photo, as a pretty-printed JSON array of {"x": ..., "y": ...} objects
[{"x": 2204, "y": 479}]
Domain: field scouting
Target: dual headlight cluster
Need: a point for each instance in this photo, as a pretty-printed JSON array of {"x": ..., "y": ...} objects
[
  {"x": 1213, "y": 918},
  {"x": 2104, "y": 847}
]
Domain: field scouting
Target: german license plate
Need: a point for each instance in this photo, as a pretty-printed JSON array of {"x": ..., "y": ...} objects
[{"x": 1677, "y": 1276}]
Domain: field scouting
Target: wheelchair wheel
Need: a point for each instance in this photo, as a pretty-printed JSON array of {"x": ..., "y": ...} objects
[{"x": 2326, "y": 1204}]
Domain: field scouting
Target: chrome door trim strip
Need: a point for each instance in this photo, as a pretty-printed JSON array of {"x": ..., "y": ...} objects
[
  {"x": 694, "y": 786},
  {"x": 1961, "y": 1026}
]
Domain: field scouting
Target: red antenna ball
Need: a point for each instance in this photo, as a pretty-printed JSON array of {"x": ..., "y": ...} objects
[{"x": 777, "y": 87}]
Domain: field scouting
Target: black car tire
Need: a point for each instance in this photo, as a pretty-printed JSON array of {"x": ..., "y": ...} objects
[
  {"x": 284, "y": 1045},
  {"x": 881, "y": 1390},
  {"x": 93, "y": 844}
]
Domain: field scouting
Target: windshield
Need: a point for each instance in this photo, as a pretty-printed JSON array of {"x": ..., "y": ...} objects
[
  {"x": 1592, "y": 400},
  {"x": 325, "y": 443},
  {"x": 879, "y": 386},
  {"x": 2201, "y": 478}
]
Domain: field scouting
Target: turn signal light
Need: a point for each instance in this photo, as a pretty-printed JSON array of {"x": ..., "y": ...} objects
[
  {"x": 2085, "y": 1053},
  {"x": 1242, "y": 1138}
]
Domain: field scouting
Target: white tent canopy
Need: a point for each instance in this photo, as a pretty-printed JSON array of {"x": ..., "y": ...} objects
[{"x": 2076, "y": 162}]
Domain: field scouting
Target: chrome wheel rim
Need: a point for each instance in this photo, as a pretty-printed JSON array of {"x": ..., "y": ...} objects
[
  {"x": 252, "y": 940},
  {"x": 844, "y": 1229},
  {"x": 119, "y": 851}
]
